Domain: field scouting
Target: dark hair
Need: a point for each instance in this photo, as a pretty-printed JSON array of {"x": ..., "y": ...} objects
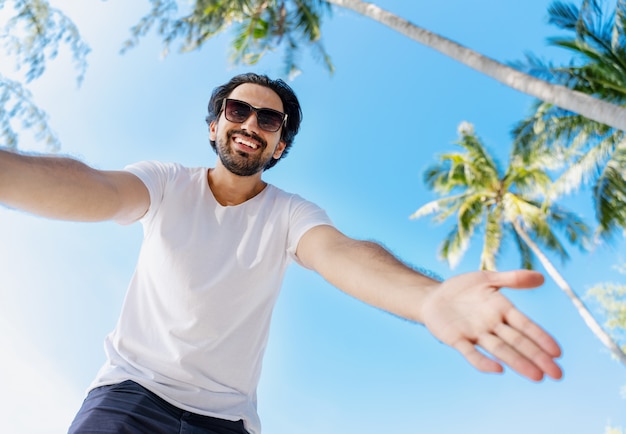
[{"x": 282, "y": 89}]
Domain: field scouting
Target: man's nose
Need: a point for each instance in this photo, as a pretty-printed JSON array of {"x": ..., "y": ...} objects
[{"x": 251, "y": 123}]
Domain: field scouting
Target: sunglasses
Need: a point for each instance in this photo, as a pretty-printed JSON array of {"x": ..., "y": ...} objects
[{"x": 267, "y": 119}]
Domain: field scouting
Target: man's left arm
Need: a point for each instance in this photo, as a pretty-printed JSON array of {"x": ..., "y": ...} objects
[{"x": 466, "y": 311}]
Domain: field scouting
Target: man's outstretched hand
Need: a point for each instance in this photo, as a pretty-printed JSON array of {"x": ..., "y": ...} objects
[{"x": 468, "y": 311}]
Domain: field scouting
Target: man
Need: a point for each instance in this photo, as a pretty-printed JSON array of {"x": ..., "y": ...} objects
[{"x": 186, "y": 353}]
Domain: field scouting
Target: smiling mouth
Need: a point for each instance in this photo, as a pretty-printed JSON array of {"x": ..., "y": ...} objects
[{"x": 246, "y": 143}]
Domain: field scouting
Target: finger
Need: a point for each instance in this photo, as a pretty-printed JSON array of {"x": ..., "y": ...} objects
[
  {"x": 538, "y": 345},
  {"x": 500, "y": 348},
  {"x": 527, "y": 356},
  {"x": 516, "y": 279},
  {"x": 521, "y": 322},
  {"x": 476, "y": 358}
]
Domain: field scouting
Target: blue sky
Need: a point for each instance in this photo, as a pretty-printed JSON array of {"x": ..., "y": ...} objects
[{"x": 333, "y": 364}]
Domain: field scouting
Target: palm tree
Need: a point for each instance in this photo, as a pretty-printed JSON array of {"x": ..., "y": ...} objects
[
  {"x": 261, "y": 25},
  {"x": 504, "y": 203},
  {"x": 599, "y": 69}
]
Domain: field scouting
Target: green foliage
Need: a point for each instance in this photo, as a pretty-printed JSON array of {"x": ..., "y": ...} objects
[
  {"x": 611, "y": 297},
  {"x": 33, "y": 35},
  {"x": 483, "y": 197},
  {"x": 594, "y": 153},
  {"x": 16, "y": 103},
  {"x": 258, "y": 26}
]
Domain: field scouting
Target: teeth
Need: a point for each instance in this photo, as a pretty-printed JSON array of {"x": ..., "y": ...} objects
[{"x": 246, "y": 143}]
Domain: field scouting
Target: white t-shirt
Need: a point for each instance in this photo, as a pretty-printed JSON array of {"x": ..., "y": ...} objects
[{"x": 195, "y": 321}]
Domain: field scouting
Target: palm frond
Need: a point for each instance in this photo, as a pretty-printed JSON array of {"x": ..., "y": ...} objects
[
  {"x": 259, "y": 27},
  {"x": 610, "y": 193},
  {"x": 432, "y": 207},
  {"x": 526, "y": 254},
  {"x": 443, "y": 208},
  {"x": 479, "y": 165},
  {"x": 454, "y": 247},
  {"x": 470, "y": 214},
  {"x": 583, "y": 169},
  {"x": 540, "y": 221},
  {"x": 563, "y": 15},
  {"x": 531, "y": 179}
]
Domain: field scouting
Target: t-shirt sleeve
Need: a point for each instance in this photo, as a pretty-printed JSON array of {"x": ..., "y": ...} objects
[
  {"x": 155, "y": 176},
  {"x": 304, "y": 215}
]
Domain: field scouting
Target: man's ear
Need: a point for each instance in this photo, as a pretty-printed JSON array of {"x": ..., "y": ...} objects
[
  {"x": 280, "y": 148},
  {"x": 212, "y": 131}
]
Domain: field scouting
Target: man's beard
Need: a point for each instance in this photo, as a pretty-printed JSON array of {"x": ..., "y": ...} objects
[{"x": 242, "y": 163}]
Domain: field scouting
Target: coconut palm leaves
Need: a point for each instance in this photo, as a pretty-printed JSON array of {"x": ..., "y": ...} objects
[
  {"x": 598, "y": 152},
  {"x": 264, "y": 25},
  {"x": 260, "y": 26},
  {"x": 486, "y": 199},
  {"x": 505, "y": 203}
]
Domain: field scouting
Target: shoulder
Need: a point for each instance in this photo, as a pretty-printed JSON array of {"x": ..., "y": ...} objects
[
  {"x": 276, "y": 193},
  {"x": 150, "y": 171},
  {"x": 292, "y": 202},
  {"x": 155, "y": 166},
  {"x": 299, "y": 211}
]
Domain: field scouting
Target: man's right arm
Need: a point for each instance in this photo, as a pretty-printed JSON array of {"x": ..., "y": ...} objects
[{"x": 66, "y": 189}]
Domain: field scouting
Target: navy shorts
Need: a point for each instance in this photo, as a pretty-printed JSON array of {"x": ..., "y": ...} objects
[{"x": 128, "y": 408}]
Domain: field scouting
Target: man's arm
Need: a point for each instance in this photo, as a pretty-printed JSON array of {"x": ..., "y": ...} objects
[
  {"x": 465, "y": 312},
  {"x": 66, "y": 189}
]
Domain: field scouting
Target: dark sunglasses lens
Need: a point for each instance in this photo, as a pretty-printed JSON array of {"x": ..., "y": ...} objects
[
  {"x": 237, "y": 111},
  {"x": 270, "y": 120}
]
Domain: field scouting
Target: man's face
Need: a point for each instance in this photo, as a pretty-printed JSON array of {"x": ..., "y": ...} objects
[{"x": 244, "y": 148}]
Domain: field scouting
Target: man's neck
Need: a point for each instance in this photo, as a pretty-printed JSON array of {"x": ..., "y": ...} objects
[{"x": 230, "y": 189}]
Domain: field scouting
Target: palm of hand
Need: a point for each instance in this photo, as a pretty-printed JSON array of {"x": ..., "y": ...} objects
[{"x": 468, "y": 311}]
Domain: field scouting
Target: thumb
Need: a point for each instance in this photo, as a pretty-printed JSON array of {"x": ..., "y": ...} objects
[{"x": 516, "y": 279}]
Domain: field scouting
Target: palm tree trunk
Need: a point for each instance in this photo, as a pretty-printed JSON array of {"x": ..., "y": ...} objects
[
  {"x": 561, "y": 96},
  {"x": 578, "y": 303}
]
